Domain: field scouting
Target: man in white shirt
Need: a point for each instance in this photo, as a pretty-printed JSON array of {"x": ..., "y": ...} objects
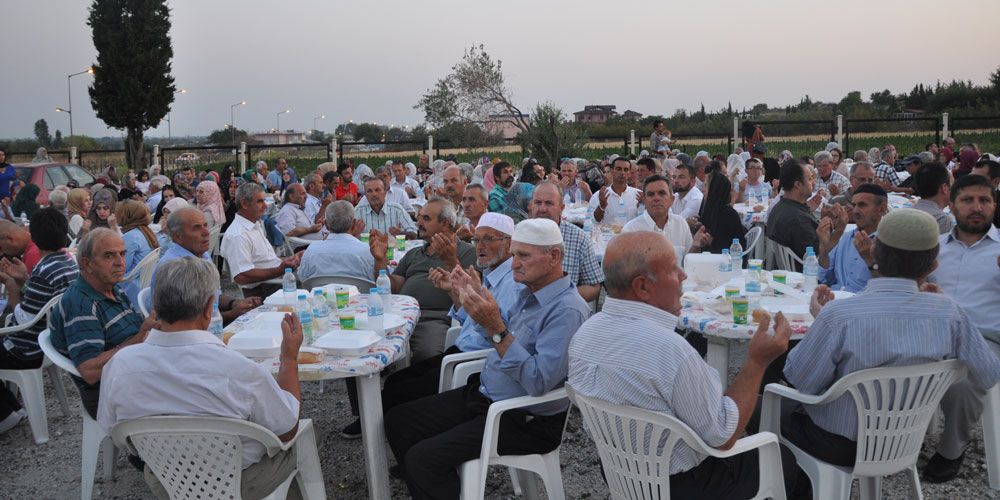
[
  {"x": 657, "y": 218},
  {"x": 618, "y": 203},
  {"x": 688, "y": 200},
  {"x": 181, "y": 369},
  {"x": 409, "y": 185},
  {"x": 250, "y": 256},
  {"x": 292, "y": 219}
]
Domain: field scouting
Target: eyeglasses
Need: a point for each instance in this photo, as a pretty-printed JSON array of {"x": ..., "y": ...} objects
[
  {"x": 865, "y": 180},
  {"x": 489, "y": 240}
]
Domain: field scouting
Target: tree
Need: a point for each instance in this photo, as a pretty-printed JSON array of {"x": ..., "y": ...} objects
[
  {"x": 473, "y": 91},
  {"x": 367, "y": 132},
  {"x": 549, "y": 138},
  {"x": 58, "y": 141},
  {"x": 851, "y": 101},
  {"x": 225, "y": 136},
  {"x": 319, "y": 136},
  {"x": 42, "y": 133},
  {"x": 132, "y": 87}
]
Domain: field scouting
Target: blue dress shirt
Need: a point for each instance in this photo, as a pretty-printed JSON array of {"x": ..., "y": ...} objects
[
  {"x": 847, "y": 271},
  {"x": 500, "y": 282}
]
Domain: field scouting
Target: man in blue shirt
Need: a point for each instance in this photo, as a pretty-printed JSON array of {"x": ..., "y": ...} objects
[
  {"x": 7, "y": 174},
  {"x": 842, "y": 265},
  {"x": 280, "y": 166},
  {"x": 432, "y": 436},
  {"x": 341, "y": 253}
]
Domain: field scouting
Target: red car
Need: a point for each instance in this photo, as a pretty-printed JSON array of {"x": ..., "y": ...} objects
[{"x": 49, "y": 175}]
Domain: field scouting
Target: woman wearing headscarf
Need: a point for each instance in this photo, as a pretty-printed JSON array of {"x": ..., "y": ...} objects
[
  {"x": 967, "y": 158},
  {"x": 78, "y": 209},
  {"x": 138, "y": 237},
  {"x": 518, "y": 200},
  {"x": 210, "y": 202},
  {"x": 173, "y": 205},
  {"x": 361, "y": 173},
  {"x": 102, "y": 213},
  {"x": 213, "y": 176},
  {"x": 169, "y": 193},
  {"x": 718, "y": 216},
  {"x": 24, "y": 203}
]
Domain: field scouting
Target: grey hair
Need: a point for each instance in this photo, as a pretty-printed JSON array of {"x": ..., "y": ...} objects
[
  {"x": 288, "y": 190},
  {"x": 547, "y": 182},
  {"x": 858, "y": 164},
  {"x": 312, "y": 178},
  {"x": 448, "y": 213},
  {"x": 568, "y": 161},
  {"x": 823, "y": 156},
  {"x": 926, "y": 156},
  {"x": 261, "y": 163},
  {"x": 467, "y": 171},
  {"x": 183, "y": 288},
  {"x": 156, "y": 184},
  {"x": 85, "y": 250},
  {"x": 376, "y": 178},
  {"x": 384, "y": 169},
  {"x": 246, "y": 192},
  {"x": 859, "y": 154},
  {"x": 58, "y": 199},
  {"x": 619, "y": 273},
  {"x": 482, "y": 190},
  {"x": 886, "y": 154},
  {"x": 339, "y": 216},
  {"x": 174, "y": 224}
]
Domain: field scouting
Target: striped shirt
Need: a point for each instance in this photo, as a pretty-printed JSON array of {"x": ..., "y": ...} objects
[
  {"x": 628, "y": 354},
  {"x": 579, "y": 261},
  {"x": 86, "y": 323},
  {"x": 889, "y": 323},
  {"x": 392, "y": 215},
  {"x": 51, "y": 276}
]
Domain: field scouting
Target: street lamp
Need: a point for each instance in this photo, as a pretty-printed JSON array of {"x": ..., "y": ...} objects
[
  {"x": 69, "y": 95},
  {"x": 277, "y": 119},
  {"x": 320, "y": 117},
  {"x": 181, "y": 91},
  {"x": 232, "y": 119}
]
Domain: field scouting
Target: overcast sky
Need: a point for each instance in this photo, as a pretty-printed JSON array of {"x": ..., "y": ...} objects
[{"x": 371, "y": 61}]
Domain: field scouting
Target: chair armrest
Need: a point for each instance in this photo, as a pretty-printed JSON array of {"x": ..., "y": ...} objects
[
  {"x": 465, "y": 370},
  {"x": 305, "y": 429},
  {"x": 449, "y": 362},
  {"x": 492, "y": 431},
  {"x": 745, "y": 444},
  {"x": 770, "y": 414}
]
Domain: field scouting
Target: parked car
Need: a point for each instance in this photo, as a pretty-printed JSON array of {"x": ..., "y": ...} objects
[
  {"x": 186, "y": 159},
  {"x": 49, "y": 175}
]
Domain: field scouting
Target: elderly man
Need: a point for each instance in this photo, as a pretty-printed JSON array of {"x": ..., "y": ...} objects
[
  {"x": 790, "y": 222},
  {"x": 885, "y": 170},
  {"x": 889, "y": 323},
  {"x": 344, "y": 187},
  {"x": 442, "y": 249},
  {"x": 383, "y": 215},
  {"x": 16, "y": 245},
  {"x": 316, "y": 201},
  {"x": 968, "y": 271},
  {"x": 432, "y": 436},
  {"x": 250, "y": 256},
  {"x": 657, "y": 218},
  {"x": 911, "y": 163},
  {"x": 687, "y": 202},
  {"x": 280, "y": 167},
  {"x": 393, "y": 194},
  {"x": 629, "y": 354},
  {"x": 402, "y": 181},
  {"x": 94, "y": 319},
  {"x": 579, "y": 260},
  {"x": 827, "y": 180},
  {"x": 932, "y": 183},
  {"x": 861, "y": 172},
  {"x": 474, "y": 204},
  {"x": 260, "y": 177},
  {"x": 155, "y": 195},
  {"x": 503, "y": 173},
  {"x": 845, "y": 258},
  {"x": 341, "y": 253},
  {"x": 190, "y": 234},
  {"x": 577, "y": 189},
  {"x": 292, "y": 219},
  {"x": 27, "y": 294},
  {"x": 492, "y": 242},
  {"x": 618, "y": 203},
  {"x": 180, "y": 367},
  {"x": 453, "y": 182}
]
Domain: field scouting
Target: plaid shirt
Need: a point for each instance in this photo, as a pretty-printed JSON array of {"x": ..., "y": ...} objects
[
  {"x": 836, "y": 180},
  {"x": 86, "y": 323},
  {"x": 579, "y": 261},
  {"x": 887, "y": 172},
  {"x": 392, "y": 215}
]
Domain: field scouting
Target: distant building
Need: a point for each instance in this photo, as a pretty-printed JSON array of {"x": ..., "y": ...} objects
[
  {"x": 275, "y": 137},
  {"x": 503, "y": 125},
  {"x": 631, "y": 116},
  {"x": 597, "y": 113}
]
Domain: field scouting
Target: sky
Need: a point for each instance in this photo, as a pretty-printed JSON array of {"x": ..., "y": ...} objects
[{"x": 372, "y": 60}]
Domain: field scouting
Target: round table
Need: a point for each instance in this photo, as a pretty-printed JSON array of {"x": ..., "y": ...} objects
[{"x": 366, "y": 368}]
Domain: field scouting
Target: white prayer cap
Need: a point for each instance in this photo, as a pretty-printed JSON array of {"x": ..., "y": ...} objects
[
  {"x": 500, "y": 222},
  {"x": 540, "y": 232},
  {"x": 703, "y": 153}
]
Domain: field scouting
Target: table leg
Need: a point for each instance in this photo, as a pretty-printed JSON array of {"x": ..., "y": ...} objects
[
  {"x": 717, "y": 357},
  {"x": 373, "y": 434}
]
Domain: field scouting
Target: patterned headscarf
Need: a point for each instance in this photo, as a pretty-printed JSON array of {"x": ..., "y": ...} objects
[
  {"x": 213, "y": 201},
  {"x": 518, "y": 199}
]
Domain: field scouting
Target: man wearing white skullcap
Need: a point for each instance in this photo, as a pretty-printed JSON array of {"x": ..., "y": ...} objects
[
  {"x": 432, "y": 436},
  {"x": 891, "y": 322}
]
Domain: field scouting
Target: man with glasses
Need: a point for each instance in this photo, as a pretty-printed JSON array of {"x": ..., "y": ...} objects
[
  {"x": 753, "y": 186},
  {"x": 862, "y": 172}
]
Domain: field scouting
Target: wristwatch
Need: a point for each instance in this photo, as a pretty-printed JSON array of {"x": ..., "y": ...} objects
[{"x": 498, "y": 337}]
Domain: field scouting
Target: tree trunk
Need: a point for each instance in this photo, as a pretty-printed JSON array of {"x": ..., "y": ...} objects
[{"x": 135, "y": 150}]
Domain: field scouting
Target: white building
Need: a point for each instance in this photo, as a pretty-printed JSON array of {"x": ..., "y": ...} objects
[{"x": 275, "y": 137}]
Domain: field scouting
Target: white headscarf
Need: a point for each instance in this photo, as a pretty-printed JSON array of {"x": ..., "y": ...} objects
[{"x": 361, "y": 173}]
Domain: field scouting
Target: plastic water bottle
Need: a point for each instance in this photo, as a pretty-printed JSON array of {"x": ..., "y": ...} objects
[
  {"x": 810, "y": 269},
  {"x": 568, "y": 200},
  {"x": 726, "y": 266},
  {"x": 621, "y": 214},
  {"x": 24, "y": 219},
  {"x": 289, "y": 287},
  {"x": 215, "y": 324},
  {"x": 305, "y": 310},
  {"x": 588, "y": 222},
  {"x": 321, "y": 312},
  {"x": 375, "y": 312},
  {"x": 384, "y": 285},
  {"x": 736, "y": 255}
]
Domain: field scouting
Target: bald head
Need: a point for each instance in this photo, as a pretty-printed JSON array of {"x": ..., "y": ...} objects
[
  {"x": 14, "y": 239},
  {"x": 642, "y": 266}
]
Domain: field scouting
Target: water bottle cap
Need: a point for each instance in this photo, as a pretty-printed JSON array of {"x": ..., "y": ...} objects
[
  {"x": 373, "y": 291},
  {"x": 302, "y": 296},
  {"x": 381, "y": 272},
  {"x": 288, "y": 270},
  {"x": 317, "y": 292},
  {"x": 725, "y": 250},
  {"x": 736, "y": 240}
]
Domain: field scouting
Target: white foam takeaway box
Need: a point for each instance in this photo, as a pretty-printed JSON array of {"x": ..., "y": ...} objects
[
  {"x": 704, "y": 268},
  {"x": 278, "y": 298},
  {"x": 347, "y": 342}
]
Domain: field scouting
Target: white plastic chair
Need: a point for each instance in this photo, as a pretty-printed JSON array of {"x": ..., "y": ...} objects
[
  {"x": 991, "y": 435},
  {"x": 781, "y": 257},
  {"x": 145, "y": 295},
  {"x": 294, "y": 242},
  {"x": 201, "y": 457},
  {"x": 144, "y": 269},
  {"x": 225, "y": 264},
  {"x": 753, "y": 238},
  {"x": 214, "y": 238},
  {"x": 636, "y": 468},
  {"x": 29, "y": 382},
  {"x": 894, "y": 406},
  {"x": 95, "y": 440},
  {"x": 451, "y": 336}
]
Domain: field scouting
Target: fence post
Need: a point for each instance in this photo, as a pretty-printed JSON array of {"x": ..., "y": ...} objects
[
  {"x": 736, "y": 130},
  {"x": 72, "y": 155},
  {"x": 631, "y": 143},
  {"x": 840, "y": 130},
  {"x": 430, "y": 149},
  {"x": 846, "y": 146},
  {"x": 944, "y": 125},
  {"x": 243, "y": 157},
  {"x": 156, "y": 155},
  {"x": 332, "y": 153}
]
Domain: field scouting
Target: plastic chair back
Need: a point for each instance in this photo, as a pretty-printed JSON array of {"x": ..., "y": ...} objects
[
  {"x": 145, "y": 300},
  {"x": 144, "y": 269},
  {"x": 57, "y": 358},
  {"x": 781, "y": 257},
  {"x": 753, "y": 237}
]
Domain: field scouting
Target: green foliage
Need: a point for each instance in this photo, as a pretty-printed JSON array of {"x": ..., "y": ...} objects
[
  {"x": 42, "y": 133},
  {"x": 58, "y": 141},
  {"x": 225, "y": 137},
  {"x": 549, "y": 138}
]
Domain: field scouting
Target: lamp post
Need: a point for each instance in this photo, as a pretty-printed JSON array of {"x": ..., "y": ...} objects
[
  {"x": 69, "y": 95},
  {"x": 320, "y": 117},
  {"x": 277, "y": 119},
  {"x": 232, "y": 118},
  {"x": 181, "y": 91}
]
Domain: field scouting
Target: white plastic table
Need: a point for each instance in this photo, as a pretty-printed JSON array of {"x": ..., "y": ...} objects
[{"x": 366, "y": 368}]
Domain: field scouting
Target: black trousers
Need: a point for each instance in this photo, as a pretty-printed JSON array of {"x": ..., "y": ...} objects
[
  {"x": 831, "y": 448},
  {"x": 8, "y": 402},
  {"x": 432, "y": 436},
  {"x": 735, "y": 477},
  {"x": 413, "y": 382}
]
